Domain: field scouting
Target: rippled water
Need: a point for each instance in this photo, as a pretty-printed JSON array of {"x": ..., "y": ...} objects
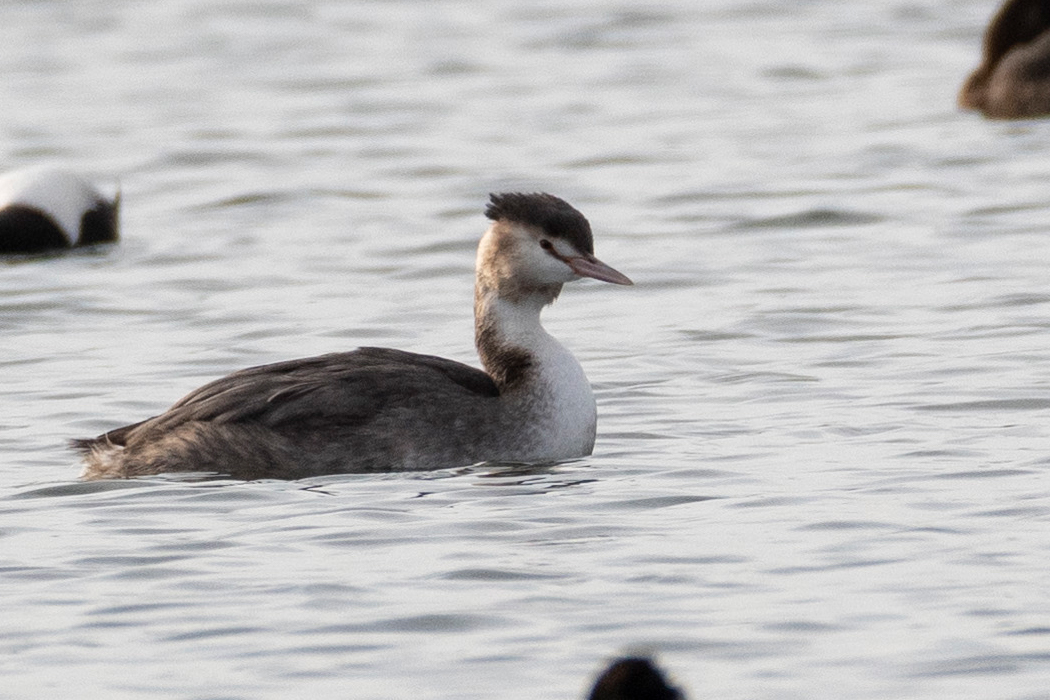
[{"x": 821, "y": 468}]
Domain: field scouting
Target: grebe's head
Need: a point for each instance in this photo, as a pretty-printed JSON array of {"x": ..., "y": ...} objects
[{"x": 536, "y": 243}]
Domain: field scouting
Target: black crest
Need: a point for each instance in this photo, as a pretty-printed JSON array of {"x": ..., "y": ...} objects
[{"x": 552, "y": 214}]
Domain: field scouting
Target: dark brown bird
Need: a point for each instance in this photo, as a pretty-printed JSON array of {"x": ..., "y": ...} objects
[
  {"x": 633, "y": 678},
  {"x": 1013, "y": 80}
]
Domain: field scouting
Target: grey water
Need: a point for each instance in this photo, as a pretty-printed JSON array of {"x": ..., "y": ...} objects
[{"x": 824, "y": 409}]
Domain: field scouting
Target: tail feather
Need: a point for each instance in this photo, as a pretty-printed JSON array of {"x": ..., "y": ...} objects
[
  {"x": 102, "y": 459},
  {"x": 84, "y": 445}
]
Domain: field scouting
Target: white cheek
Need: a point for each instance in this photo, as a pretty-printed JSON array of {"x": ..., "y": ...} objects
[{"x": 547, "y": 268}]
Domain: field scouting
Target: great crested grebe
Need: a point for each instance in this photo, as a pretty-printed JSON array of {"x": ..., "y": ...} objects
[
  {"x": 377, "y": 409},
  {"x": 45, "y": 208}
]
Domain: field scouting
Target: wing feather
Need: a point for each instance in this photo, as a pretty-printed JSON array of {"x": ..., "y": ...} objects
[{"x": 340, "y": 388}]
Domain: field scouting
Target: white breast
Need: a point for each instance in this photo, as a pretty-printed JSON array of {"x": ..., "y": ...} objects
[
  {"x": 563, "y": 406},
  {"x": 551, "y": 414}
]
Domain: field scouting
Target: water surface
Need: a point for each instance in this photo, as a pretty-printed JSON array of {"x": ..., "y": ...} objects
[{"x": 822, "y": 452}]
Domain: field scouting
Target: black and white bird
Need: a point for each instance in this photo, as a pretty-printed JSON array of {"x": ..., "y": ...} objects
[
  {"x": 377, "y": 409},
  {"x": 45, "y": 208}
]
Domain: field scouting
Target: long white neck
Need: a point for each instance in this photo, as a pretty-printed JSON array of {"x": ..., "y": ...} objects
[
  {"x": 509, "y": 336},
  {"x": 541, "y": 383}
]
